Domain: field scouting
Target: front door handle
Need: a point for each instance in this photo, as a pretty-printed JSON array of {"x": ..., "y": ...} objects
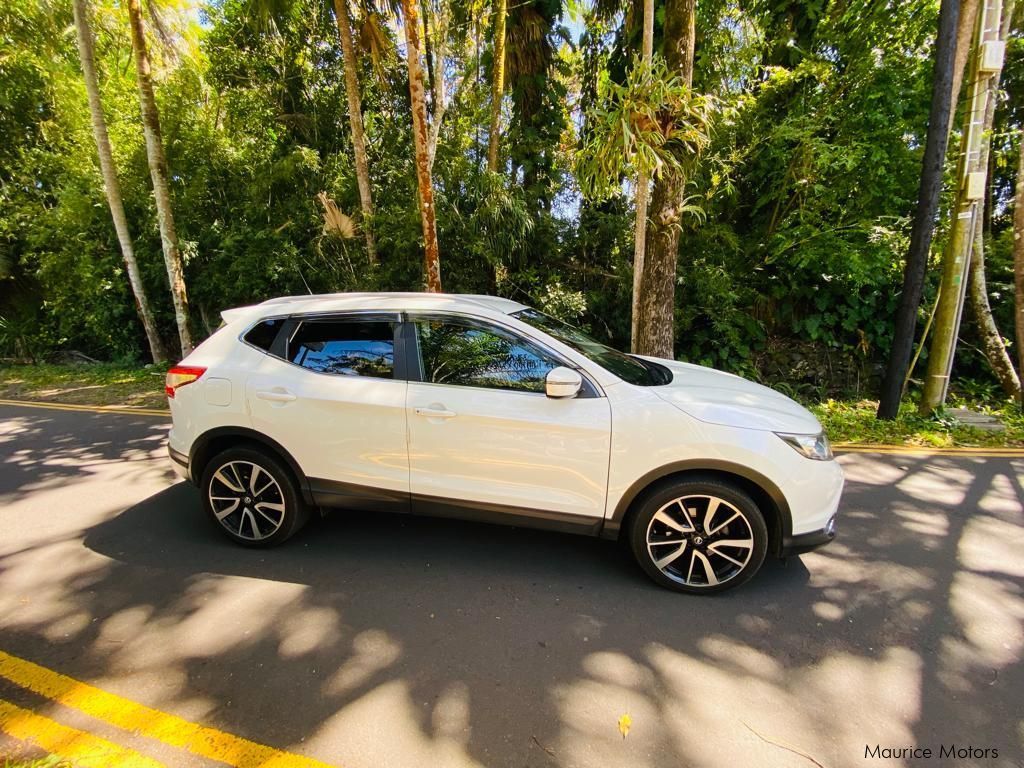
[
  {"x": 275, "y": 395},
  {"x": 435, "y": 413}
]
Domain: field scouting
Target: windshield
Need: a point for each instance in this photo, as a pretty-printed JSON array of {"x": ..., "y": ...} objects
[{"x": 628, "y": 368}]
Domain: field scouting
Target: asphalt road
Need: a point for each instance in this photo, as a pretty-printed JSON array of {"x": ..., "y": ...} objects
[{"x": 392, "y": 641}]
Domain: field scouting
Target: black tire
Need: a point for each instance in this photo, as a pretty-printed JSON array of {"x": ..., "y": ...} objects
[
  {"x": 251, "y": 522},
  {"x": 704, "y": 564}
]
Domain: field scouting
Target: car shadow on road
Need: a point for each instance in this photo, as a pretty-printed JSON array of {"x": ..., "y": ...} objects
[{"x": 480, "y": 644}]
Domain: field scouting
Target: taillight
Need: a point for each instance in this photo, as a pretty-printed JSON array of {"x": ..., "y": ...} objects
[{"x": 179, "y": 376}]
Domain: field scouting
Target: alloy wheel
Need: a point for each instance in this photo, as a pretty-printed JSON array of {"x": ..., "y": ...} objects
[
  {"x": 247, "y": 500},
  {"x": 700, "y": 540}
]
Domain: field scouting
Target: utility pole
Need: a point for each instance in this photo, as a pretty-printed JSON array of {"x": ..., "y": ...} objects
[{"x": 972, "y": 175}]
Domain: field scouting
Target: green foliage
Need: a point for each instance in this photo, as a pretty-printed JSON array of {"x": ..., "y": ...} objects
[
  {"x": 855, "y": 422},
  {"x": 652, "y": 123},
  {"x": 799, "y": 199}
]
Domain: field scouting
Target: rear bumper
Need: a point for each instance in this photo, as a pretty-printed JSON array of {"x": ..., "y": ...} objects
[
  {"x": 179, "y": 461},
  {"x": 805, "y": 542}
]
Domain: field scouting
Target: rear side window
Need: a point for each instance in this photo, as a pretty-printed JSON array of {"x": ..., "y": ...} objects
[
  {"x": 345, "y": 347},
  {"x": 262, "y": 335}
]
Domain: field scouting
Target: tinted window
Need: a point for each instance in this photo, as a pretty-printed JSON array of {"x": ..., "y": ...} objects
[
  {"x": 263, "y": 334},
  {"x": 467, "y": 355},
  {"x": 347, "y": 348}
]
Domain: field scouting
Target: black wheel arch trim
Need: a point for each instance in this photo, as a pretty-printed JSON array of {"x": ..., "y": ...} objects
[
  {"x": 613, "y": 524},
  {"x": 200, "y": 447}
]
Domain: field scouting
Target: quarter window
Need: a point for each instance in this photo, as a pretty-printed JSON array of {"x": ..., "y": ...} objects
[
  {"x": 346, "y": 348},
  {"x": 262, "y": 335},
  {"x": 463, "y": 354}
]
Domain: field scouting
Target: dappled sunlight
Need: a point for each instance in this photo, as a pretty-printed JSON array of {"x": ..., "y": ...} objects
[
  {"x": 588, "y": 712},
  {"x": 441, "y": 643},
  {"x": 416, "y": 732},
  {"x": 990, "y": 615},
  {"x": 372, "y": 652}
]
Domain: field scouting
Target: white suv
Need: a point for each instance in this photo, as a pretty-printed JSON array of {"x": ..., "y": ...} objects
[{"x": 482, "y": 408}]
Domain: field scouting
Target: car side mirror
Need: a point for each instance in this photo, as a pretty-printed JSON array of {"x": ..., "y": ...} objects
[{"x": 562, "y": 382}]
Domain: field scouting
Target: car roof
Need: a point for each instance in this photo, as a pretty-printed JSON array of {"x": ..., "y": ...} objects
[{"x": 385, "y": 302}]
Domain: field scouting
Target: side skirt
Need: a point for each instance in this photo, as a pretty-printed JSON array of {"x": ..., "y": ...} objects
[{"x": 361, "y": 498}]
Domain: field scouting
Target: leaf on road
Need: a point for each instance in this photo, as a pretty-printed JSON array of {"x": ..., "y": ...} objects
[{"x": 624, "y": 724}]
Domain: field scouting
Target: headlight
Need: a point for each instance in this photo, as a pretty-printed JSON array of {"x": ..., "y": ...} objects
[{"x": 814, "y": 447}]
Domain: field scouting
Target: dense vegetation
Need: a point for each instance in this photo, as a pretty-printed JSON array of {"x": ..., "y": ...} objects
[{"x": 800, "y": 162}]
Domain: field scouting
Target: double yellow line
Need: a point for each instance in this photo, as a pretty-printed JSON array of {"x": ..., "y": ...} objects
[
  {"x": 914, "y": 450},
  {"x": 88, "y": 408},
  {"x": 88, "y": 751}
]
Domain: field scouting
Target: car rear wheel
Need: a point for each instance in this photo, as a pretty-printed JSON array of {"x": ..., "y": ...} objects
[
  {"x": 252, "y": 497},
  {"x": 699, "y": 536}
]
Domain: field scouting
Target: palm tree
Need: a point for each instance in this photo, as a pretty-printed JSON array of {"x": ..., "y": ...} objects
[
  {"x": 642, "y": 191},
  {"x": 655, "y": 326},
  {"x": 355, "y": 121},
  {"x": 111, "y": 184},
  {"x": 158, "y": 173},
  {"x": 421, "y": 140},
  {"x": 497, "y": 83}
]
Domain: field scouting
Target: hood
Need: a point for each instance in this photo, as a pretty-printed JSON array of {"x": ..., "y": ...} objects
[{"x": 722, "y": 398}]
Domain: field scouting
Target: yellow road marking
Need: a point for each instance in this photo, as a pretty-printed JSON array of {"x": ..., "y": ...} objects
[
  {"x": 88, "y": 408},
  {"x": 83, "y": 749},
  {"x": 921, "y": 450},
  {"x": 172, "y": 730}
]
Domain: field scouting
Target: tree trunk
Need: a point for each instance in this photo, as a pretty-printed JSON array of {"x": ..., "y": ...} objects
[
  {"x": 991, "y": 339},
  {"x": 431, "y": 258},
  {"x": 967, "y": 217},
  {"x": 964, "y": 34},
  {"x": 924, "y": 217},
  {"x": 1018, "y": 259},
  {"x": 655, "y": 328},
  {"x": 158, "y": 173},
  {"x": 111, "y": 184},
  {"x": 355, "y": 122},
  {"x": 497, "y": 83},
  {"x": 642, "y": 189}
]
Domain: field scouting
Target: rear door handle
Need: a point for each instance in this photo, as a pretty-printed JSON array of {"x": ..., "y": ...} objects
[
  {"x": 435, "y": 413},
  {"x": 275, "y": 396}
]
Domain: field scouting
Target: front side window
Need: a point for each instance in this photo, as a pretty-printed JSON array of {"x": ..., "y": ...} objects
[
  {"x": 345, "y": 347},
  {"x": 463, "y": 354}
]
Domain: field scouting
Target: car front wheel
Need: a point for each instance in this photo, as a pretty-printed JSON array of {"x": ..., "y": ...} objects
[
  {"x": 252, "y": 498},
  {"x": 699, "y": 536}
]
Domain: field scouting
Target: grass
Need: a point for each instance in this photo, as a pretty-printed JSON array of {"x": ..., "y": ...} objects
[
  {"x": 846, "y": 421},
  {"x": 85, "y": 384}
]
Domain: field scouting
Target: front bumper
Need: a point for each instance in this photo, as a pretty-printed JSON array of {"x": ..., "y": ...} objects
[{"x": 805, "y": 542}]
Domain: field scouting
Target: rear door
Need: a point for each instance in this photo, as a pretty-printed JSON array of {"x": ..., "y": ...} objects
[
  {"x": 332, "y": 397},
  {"x": 484, "y": 439}
]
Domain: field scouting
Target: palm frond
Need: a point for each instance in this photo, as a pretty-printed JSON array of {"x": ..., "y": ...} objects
[{"x": 335, "y": 222}]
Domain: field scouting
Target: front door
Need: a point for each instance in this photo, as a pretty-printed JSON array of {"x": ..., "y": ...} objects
[{"x": 484, "y": 439}]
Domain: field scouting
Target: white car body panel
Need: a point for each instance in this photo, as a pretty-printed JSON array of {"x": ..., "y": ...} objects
[
  {"x": 513, "y": 449},
  {"x": 340, "y": 429}
]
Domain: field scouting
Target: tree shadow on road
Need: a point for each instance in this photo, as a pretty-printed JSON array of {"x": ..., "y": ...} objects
[{"x": 388, "y": 639}]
